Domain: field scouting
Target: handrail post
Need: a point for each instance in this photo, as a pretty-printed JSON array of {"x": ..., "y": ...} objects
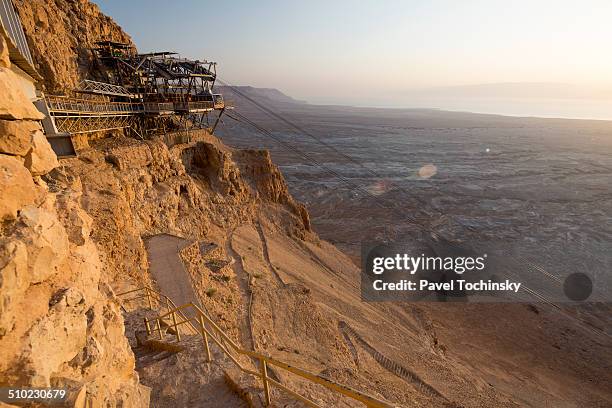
[
  {"x": 147, "y": 326},
  {"x": 161, "y": 336},
  {"x": 176, "y": 329},
  {"x": 204, "y": 337},
  {"x": 264, "y": 377}
]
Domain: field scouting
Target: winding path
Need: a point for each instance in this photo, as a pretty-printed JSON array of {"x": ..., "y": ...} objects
[{"x": 167, "y": 267}]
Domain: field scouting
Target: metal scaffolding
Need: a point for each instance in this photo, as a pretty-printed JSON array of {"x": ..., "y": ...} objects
[
  {"x": 148, "y": 93},
  {"x": 103, "y": 88}
]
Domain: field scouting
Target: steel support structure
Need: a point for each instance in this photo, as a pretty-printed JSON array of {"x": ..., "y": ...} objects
[{"x": 75, "y": 124}]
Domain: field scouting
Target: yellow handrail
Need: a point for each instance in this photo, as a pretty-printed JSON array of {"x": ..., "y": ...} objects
[
  {"x": 151, "y": 294},
  {"x": 205, "y": 326}
]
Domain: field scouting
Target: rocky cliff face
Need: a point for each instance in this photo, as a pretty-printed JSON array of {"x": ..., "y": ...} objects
[
  {"x": 60, "y": 35},
  {"x": 60, "y": 324},
  {"x": 135, "y": 189}
]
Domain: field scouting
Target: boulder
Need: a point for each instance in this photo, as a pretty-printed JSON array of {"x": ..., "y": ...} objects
[
  {"x": 41, "y": 159},
  {"x": 16, "y": 136},
  {"x": 17, "y": 188},
  {"x": 14, "y": 103}
]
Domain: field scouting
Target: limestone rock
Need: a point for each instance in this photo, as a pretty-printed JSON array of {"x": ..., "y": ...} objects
[
  {"x": 14, "y": 103},
  {"x": 16, "y": 136},
  {"x": 66, "y": 297},
  {"x": 5, "y": 61},
  {"x": 128, "y": 157},
  {"x": 59, "y": 323},
  {"x": 92, "y": 353},
  {"x": 53, "y": 341},
  {"x": 13, "y": 280},
  {"x": 60, "y": 34},
  {"x": 208, "y": 159},
  {"x": 76, "y": 221},
  {"x": 41, "y": 159},
  {"x": 46, "y": 241},
  {"x": 16, "y": 187},
  {"x": 271, "y": 184}
]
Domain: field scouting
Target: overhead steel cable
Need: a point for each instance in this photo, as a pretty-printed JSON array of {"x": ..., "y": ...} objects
[
  {"x": 574, "y": 320},
  {"x": 354, "y": 186},
  {"x": 293, "y": 149},
  {"x": 276, "y": 115},
  {"x": 406, "y": 217},
  {"x": 299, "y": 129}
]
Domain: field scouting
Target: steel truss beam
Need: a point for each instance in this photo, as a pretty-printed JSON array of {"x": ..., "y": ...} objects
[
  {"x": 89, "y": 124},
  {"x": 103, "y": 88}
]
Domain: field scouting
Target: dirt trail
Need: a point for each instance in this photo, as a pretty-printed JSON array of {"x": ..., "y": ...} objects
[
  {"x": 266, "y": 253},
  {"x": 244, "y": 285},
  {"x": 167, "y": 267}
]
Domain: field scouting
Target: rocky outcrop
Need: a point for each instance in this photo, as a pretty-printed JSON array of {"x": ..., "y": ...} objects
[
  {"x": 217, "y": 165},
  {"x": 60, "y": 324},
  {"x": 17, "y": 136},
  {"x": 60, "y": 35},
  {"x": 40, "y": 159},
  {"x": 14, "y": 104},
  {"x": 133, "y": 189},
  {"x": 18, "y": 188},
  {"x": 271, "y": 184}
]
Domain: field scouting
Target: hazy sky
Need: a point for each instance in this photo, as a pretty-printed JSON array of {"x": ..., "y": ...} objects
[{"x": 350, "y": 51}]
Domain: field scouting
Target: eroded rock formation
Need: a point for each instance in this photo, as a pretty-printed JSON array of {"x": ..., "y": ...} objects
[{"x": 60, "y": 35}]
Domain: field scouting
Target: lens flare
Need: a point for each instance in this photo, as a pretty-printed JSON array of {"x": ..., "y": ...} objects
[
  {"x": 379, "y": 187},
  {"x": 427, "y": 171}
]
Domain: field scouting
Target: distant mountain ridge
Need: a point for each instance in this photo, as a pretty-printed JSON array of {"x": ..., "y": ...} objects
[{"x": 270, "y": 95}]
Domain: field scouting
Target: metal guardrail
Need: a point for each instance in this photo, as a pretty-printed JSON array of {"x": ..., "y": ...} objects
[
  {"x": 59, "y": 104},
  {"x": 209, "y": 330},
  {"x": 194, "y": 106},
  {"x": 158, "y": 107},
  {"x": 154, "y": 296},
  {"x": 79, "y": 106}
]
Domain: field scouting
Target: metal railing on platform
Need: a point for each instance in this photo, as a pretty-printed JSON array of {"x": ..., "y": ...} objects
[
  {"x": 61, "y": 105},
  {"x": 158, "y": 107},
  {"x": 209, "y": 330},
  {"x": 78, "y": 106},
  {"x": 194, "y": 106}
]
